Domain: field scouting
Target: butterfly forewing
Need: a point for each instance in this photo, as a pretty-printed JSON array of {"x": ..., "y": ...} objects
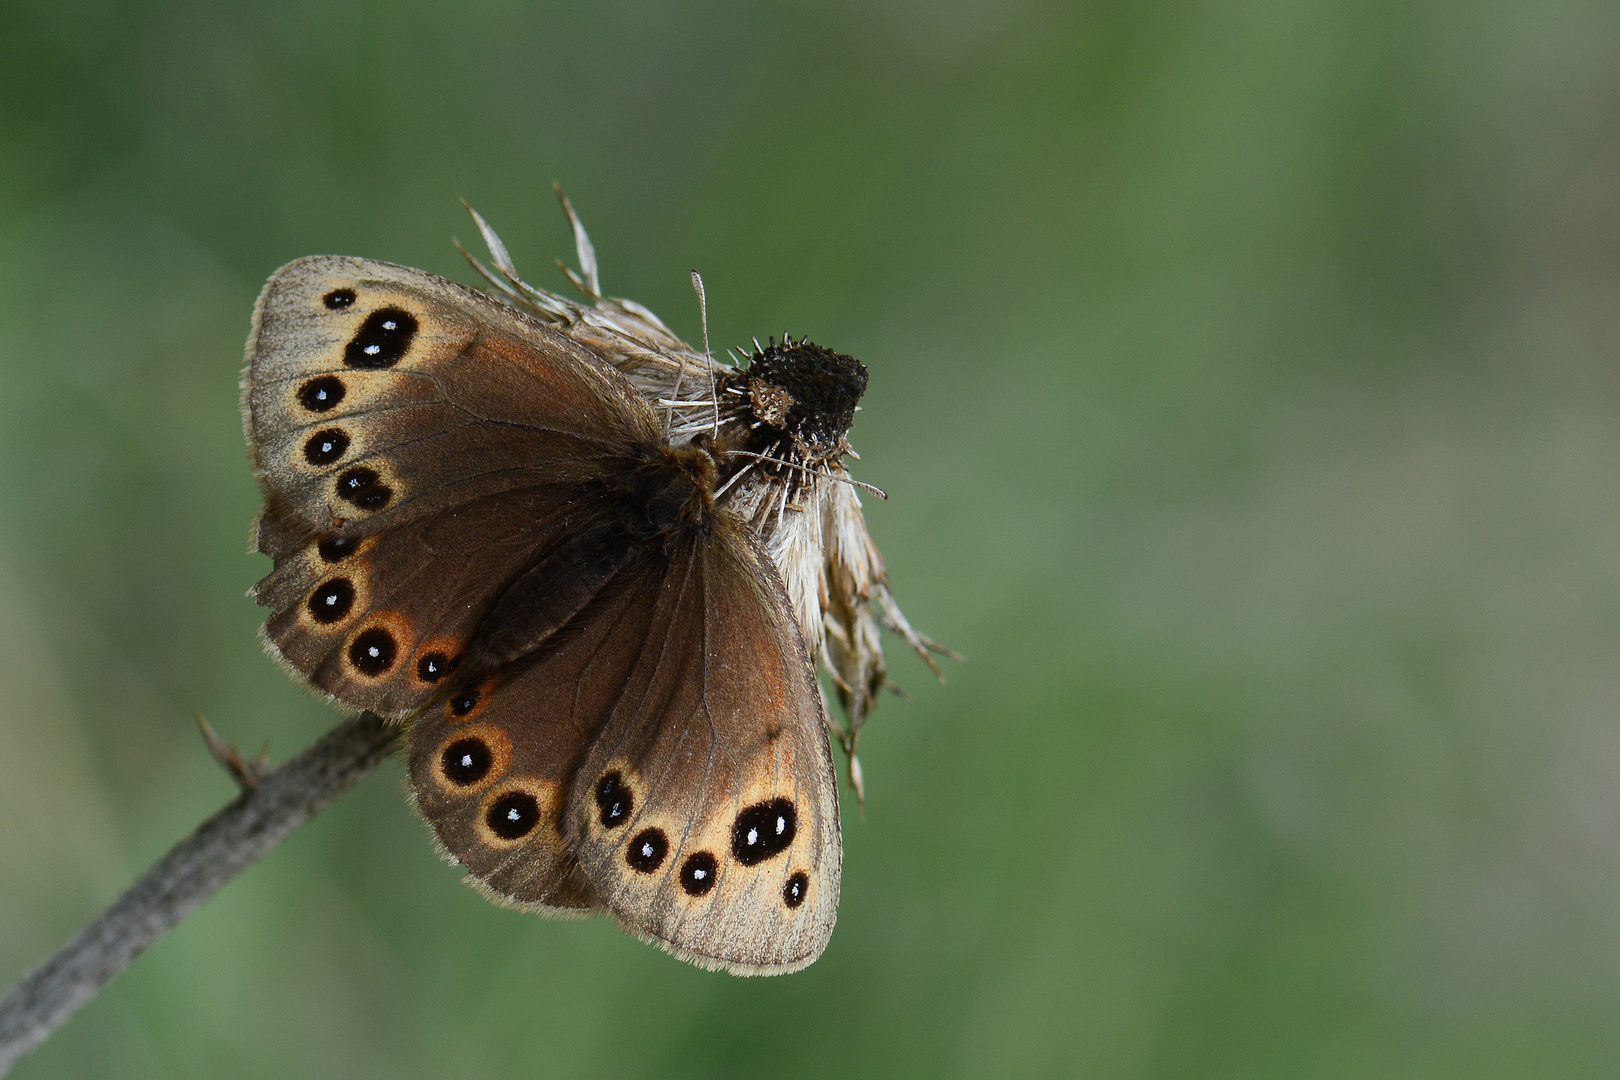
[
  {"x": 419, "y": 445},
  {"x": 462, "y": 397}
]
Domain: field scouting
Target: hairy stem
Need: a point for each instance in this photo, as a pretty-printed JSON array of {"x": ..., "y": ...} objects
[{"x": 193, "y": 870}]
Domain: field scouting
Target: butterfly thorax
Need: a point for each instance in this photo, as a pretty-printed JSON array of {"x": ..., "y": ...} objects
[
  {"x": 635, "y": 517},
  {"x": 672, "y": 490}
]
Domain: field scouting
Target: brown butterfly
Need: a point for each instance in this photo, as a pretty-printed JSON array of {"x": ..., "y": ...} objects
[{"x": 478, "y": 522}]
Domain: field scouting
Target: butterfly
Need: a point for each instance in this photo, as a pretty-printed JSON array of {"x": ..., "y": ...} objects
[{"x": 572, "y": 590}]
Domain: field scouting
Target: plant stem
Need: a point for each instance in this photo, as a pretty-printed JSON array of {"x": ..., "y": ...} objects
[{"x": 266, "y": 812}]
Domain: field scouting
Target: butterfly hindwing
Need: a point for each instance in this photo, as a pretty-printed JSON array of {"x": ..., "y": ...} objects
[
  {"x": 671, "y": 744},
  {"x": 492, "y": 766},
  {"x": 416, "y": 592},
  {"x": 706, "y": 815}
]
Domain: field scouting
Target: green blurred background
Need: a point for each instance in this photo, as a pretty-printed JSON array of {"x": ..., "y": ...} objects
[{"x": 1244, "y": 379}]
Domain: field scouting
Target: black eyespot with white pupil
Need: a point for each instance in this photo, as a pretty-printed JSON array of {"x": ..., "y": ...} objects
[
  {"x": 762, "y": 831},
  {"x": 338, "y": 299},
  {"x": 797, "y": 887},
  {"x": 336, "y": 548},
  {"x": 698, "y": 873},
  {"x": 331, "y": 601},
  {"x": 613, "y": 800},
  {"x": 464, "y": 703},
  {"x": 513, "y": 815},
  {"x": 433, "y": 666},
  {"x": 382, "y": 339},
  {"x": 325, "y": 447},
  {"x": 466, "y": 761},
  {"x": 363, "y": 488},
  {"x": 372, "y": 652},
  {"x": 647, "y": 850},
  {"x": 322, "y": 394}
]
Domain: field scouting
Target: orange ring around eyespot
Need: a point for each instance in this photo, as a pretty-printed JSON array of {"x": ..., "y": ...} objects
[
  {"x": 500, "y": 751},
  {"x": 397, "y": 626},
  {"x": 357, "y": 604},
  {"x": 544, "y": 796},
  {"x": 481, "y": 693},
  {"x": 448, "y": 647}
]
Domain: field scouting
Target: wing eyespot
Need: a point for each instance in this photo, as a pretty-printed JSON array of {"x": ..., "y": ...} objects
[
  {"x": 647, "y": 850},
  {"x": 466, "y": 761},
  {"x": 468, "y": 701},
  {"x": 434, "y": 665},
  {"x": 326, "y": 447},
  {"x": 332, "y": 601},
  {"x": 698, "y": 874},
  {"x": 322, "y": 394},
  {"x": 796, "y": 889},
  {"x": 614, "y": 800},
  {"x": 435, "y": 660},
  {"x": 373, "y": 651},
  {"x": 339, "y": 299},
  {"x": 334, "y": 549},
  {"x": 382, "y": 340},
  {"x": 763, "y": 831},
  {"x": 513, "y": 815},
  {"x": 363, "y": 488}
]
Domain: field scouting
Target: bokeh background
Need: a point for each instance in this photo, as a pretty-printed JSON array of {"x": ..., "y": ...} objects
[{"x": 1244, "y": 378}]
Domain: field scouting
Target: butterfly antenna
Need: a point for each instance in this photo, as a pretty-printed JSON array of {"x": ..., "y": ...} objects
[{"x": 703, "y": 314}]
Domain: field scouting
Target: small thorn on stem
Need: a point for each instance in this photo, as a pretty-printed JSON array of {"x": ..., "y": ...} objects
[{"x": 247, "y": 774}]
